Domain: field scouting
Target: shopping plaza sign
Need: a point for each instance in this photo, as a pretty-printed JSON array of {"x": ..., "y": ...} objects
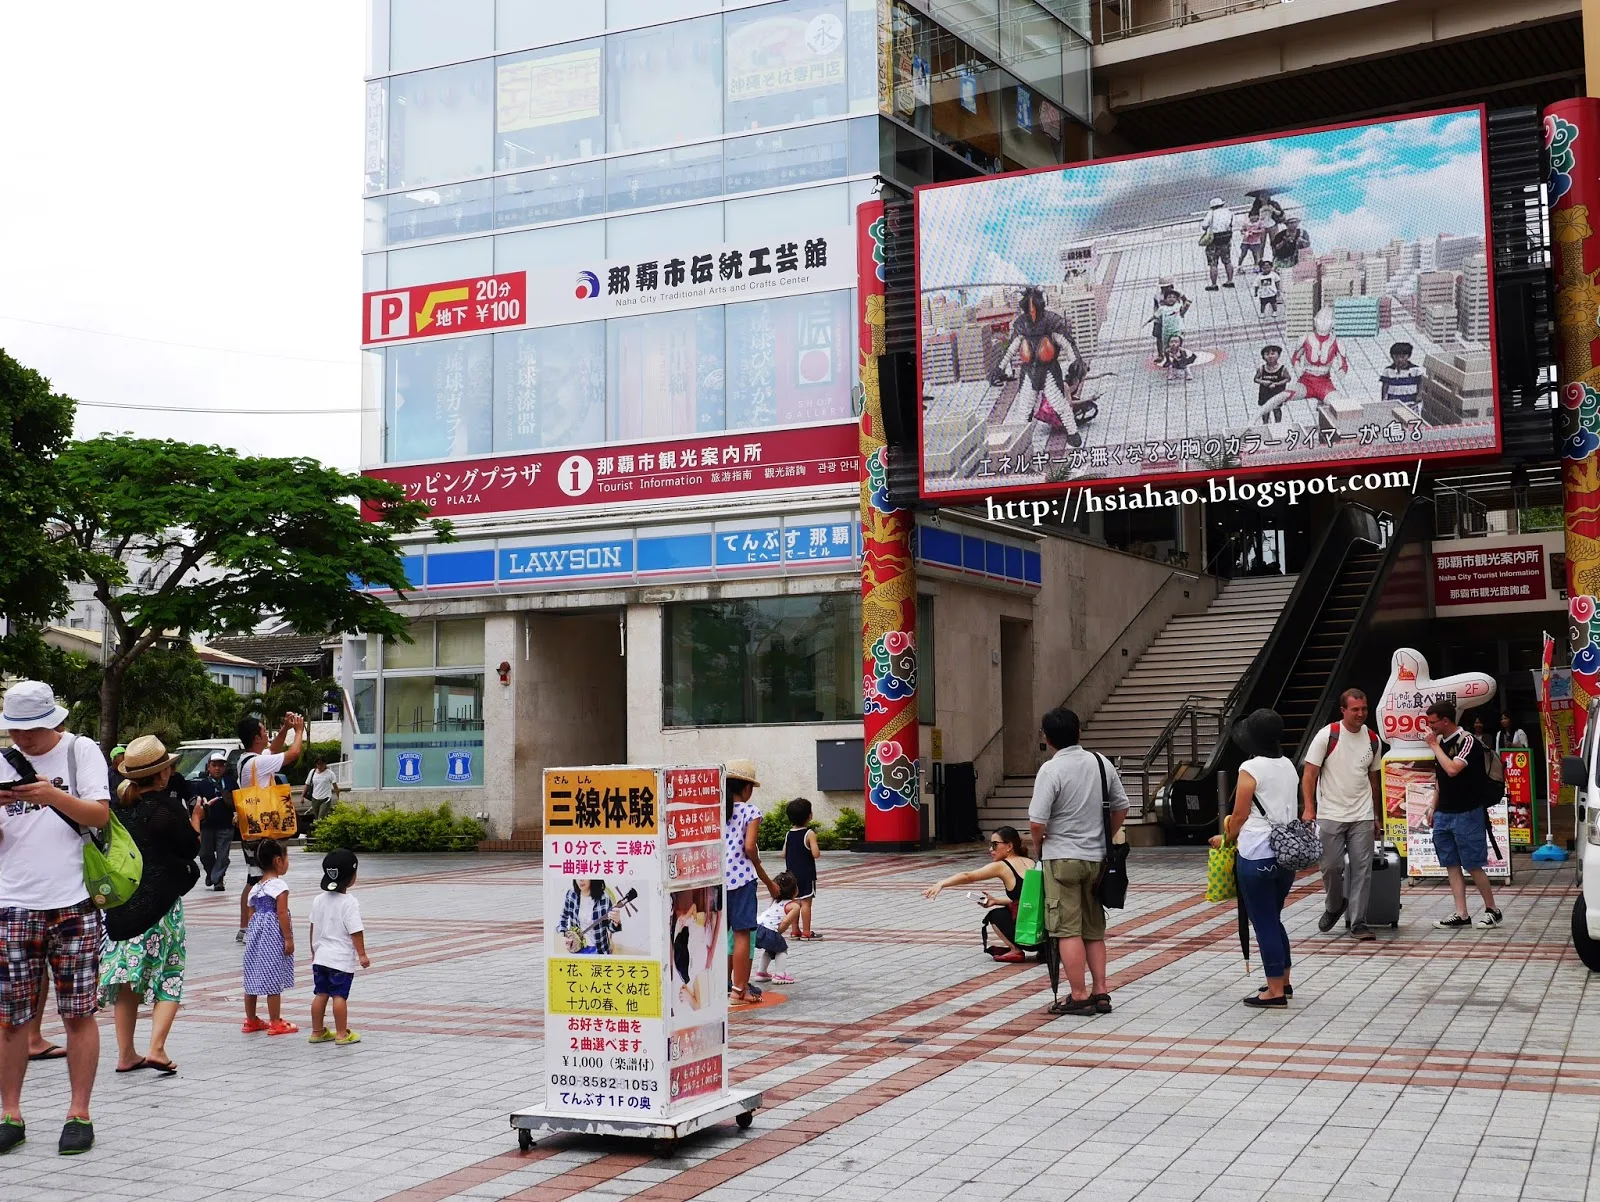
[
  {"x": 705, "y": 465},
  {"x": 785, "y": 264}
]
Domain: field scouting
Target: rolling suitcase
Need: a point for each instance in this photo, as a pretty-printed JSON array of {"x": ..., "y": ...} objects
[{"x": 1383, "y": 896}]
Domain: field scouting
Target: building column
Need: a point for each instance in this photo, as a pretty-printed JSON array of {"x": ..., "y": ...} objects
[
  {"x": 501, "y": 644},
  {"x": 888, "y": 584}
]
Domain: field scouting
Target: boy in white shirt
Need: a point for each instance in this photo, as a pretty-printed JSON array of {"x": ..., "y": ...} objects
[
  {"x": 1342, "y": 793},
  {"x": 338, "y": 943}
]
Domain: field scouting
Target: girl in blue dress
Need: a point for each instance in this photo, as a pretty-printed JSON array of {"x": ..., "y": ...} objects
[{"x": 269, "y": 943}]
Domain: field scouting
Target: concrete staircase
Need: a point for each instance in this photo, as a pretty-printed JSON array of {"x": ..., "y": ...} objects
[{"x": 1201, "y": 654}]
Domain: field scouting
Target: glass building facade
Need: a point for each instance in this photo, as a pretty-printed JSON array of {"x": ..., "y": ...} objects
[{"x": 526, "y": 135}]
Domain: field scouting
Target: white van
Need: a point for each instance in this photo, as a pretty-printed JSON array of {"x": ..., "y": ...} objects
[{"x": 1580, "y": 771}]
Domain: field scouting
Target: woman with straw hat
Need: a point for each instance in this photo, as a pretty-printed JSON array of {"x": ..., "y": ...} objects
[
  {"x": 146, "y": 957},
  {"x": 741, "y": 819}
]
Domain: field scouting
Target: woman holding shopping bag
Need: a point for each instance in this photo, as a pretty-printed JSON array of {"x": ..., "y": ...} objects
[
  {"x": 1008, "y": 866},
  {"x": 1265, "y": 800}
]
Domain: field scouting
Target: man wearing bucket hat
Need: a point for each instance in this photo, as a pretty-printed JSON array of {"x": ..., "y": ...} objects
[
  {"x": 52, "y": 786},
  {"x": 741, "y": 819}
]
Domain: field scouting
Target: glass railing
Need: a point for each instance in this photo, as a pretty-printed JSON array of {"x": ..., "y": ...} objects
[{"x": 1117, "y": 16}]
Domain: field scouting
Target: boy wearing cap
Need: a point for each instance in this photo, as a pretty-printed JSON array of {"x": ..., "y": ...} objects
[
  {"x": 1216, "y": 235},
  {"x": 214, "y": 800},
  {"x": 47, "y": 922}
]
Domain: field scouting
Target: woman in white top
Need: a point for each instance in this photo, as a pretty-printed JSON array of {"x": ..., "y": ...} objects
[{"x": 1267, "y": 796}]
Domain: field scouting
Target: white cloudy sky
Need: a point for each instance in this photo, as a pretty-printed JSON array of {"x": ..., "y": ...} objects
[{"x": 187, "y": 172}]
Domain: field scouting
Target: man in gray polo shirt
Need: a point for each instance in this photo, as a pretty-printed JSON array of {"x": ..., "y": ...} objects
[{"x": 1068, "y": 823}]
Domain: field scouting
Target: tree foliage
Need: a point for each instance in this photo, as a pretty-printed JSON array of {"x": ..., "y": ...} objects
[
  {"x": 297, "y": 692},
  {"x": 235, "y": 539},
  {"x": 34, "y": 568},
  {"x": 165, "y": 693}
]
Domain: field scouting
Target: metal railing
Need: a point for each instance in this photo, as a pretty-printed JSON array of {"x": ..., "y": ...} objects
[
  {"x": 1179, "y": 744},
  {"x": 1115, "y": 25}
]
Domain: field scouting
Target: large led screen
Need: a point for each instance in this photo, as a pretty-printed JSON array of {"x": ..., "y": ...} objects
[{"x": 1264, "y": 306}]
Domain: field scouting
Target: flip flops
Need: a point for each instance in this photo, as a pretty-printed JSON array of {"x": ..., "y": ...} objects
[
  {"x": 165, "y": 1067},
  {"x": 135, "y": 1066},
  {"x": 53, "y": 1051}
]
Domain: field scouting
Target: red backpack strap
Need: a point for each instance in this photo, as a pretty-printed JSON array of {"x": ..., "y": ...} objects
[
  {"x": 1333, "y": 738},
  {"x": 1372, "y": 737}
]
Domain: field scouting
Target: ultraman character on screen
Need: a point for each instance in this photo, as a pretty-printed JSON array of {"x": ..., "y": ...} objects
[{"x": 1316, "y": 358}]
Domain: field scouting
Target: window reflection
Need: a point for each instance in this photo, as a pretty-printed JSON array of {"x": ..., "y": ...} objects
[
  {"x": 768, "y": 660},
  {"x": 789, "y": 156},
  {"x": 664, "y": 177},
  {"x": 548, "y": 106},
  {"x": 786, "y": 63},
  {"x": 664, "y": 85},
  {"x": 555, "y": 194},
  {"x": 550, "y": 387},
  {"x": 439, "y": 399},
  {"x": 441, "y": 212},
  {"x": 789, "y": 360},
  {"x": 438, "y": 31},
  {"x": 441, "y": 125},
  {"x": 665, "y": 374}
]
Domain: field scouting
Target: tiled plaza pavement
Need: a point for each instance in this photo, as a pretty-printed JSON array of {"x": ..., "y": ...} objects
[{"x": 1429, "y": 1065}]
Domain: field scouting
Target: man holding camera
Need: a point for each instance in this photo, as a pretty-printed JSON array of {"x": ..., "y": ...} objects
[{"x": 53, "y": 786}]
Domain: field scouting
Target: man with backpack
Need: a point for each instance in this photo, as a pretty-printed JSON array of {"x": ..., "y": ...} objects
[
  {"x": 52, "y": 787},
  {"x": 1460, "y": 816},
  {"x": 1341, "y": 791}
]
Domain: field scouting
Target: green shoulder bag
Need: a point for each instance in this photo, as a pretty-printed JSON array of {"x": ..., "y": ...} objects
[{"x": 113, "y": 865}]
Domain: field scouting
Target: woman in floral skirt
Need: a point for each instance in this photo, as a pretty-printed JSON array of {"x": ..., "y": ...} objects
[{"x": 145, "y": 961}]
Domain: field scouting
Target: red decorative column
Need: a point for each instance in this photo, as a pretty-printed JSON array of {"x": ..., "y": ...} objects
[
  {"x": 888, "y": 583},
  {"x": 1572, "y": 138}
]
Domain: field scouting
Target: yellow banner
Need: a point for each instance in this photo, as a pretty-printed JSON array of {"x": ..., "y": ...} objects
[
  {"x": 604, "y": 985},
  {"x": 552, "y": 90},
  {"x": 601, "y": 801}
]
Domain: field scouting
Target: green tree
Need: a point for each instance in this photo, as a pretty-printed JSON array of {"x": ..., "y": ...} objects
[
  {"x": 34, "y": 567},
  {"x": 235, "y": 538},
  {"x": 166, "y": 693},
  {"x": 296, "y": 692}
]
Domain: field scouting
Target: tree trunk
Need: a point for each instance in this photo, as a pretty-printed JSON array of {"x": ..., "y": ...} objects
[{"x": 110, "y": 706}]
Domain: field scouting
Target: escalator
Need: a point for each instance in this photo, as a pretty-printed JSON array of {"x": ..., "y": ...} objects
[{"x": 1308, "y": 659}]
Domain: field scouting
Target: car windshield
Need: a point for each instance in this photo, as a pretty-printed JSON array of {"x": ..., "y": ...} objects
[{"x": 192, "y": 761}]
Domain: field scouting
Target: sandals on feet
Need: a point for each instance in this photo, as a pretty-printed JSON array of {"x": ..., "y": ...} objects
[
  {"x": 136, "y": 1066},
  {"x": 1072, "y": 1006},
  {"x": 1101, "y": 1002}
]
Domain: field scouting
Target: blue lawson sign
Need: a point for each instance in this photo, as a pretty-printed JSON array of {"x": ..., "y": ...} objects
[
  {"x": 459, "y": 767},
  {"x": 567, "y": 561},
  {"x": 408, "y": 768}
]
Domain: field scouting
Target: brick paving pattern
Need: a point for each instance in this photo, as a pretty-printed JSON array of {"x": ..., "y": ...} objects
[{"x": 1428, "y": 1065}]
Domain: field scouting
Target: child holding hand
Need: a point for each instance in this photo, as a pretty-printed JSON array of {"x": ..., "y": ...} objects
[
  {"x": 338, "y": 943},
  {"x": 269, "y": 943},
  {"x": 776, "y": 921}
]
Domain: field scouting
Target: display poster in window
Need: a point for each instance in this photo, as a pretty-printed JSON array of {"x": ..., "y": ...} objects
[
  {"x": 612, "y": 938},
  {"x": 921, "y": 81},
  {"x": 1050, "y": 120},
  {"x": 1518, "y": 768},
  {"x": 969, "y": 89},
  {"x": 551, "y": 90},
  {"x": 1297, "y": 311},
  {"x": 787, "y": 53}
]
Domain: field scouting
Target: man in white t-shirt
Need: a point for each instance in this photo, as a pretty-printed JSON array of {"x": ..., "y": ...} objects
[
  {"x": 47, "y": 921},
  {"x": 259, "y": 765},
  {"x": 1342, "y": 793},
  {"x": 321, "y": 790}
]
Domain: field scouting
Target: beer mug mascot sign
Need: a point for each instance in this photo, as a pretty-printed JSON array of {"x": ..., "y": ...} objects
[{"x": 1409, "y": 783}]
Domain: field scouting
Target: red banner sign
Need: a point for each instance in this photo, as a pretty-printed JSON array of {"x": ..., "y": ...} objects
[
  {"x": 1488, "y": 577},
  {"x": 1519, "y": 794},
  {"x": 693, "y": 824},
  {"x": 485, "y": 302},
  {"x": 683, "y": 467},
  {"x": 695, "y": 1078}
]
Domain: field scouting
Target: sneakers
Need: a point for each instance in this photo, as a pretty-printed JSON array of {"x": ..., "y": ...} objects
[
  {"x": 77, "y": 1137},
  {"x": 282, "y": 1028},
  {"x": 781, "y": 978},
  {"x": 1491, "y": 918},
  {"x": 252, "y": 1025},
  {"x": 1362, "y": 934},
  {"x": 1329, "y": 917},
  {"x": 322, "y": 1036},
  {"x": 1454, "y": 923},
  {"x": 761, "y": 976},
  {"x": 12, "y": 1133}
]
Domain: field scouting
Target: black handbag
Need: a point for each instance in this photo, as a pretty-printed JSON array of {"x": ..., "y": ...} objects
[{"x": 1111, "y": 886}]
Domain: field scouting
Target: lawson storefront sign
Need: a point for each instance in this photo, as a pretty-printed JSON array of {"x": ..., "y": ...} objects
[{"x": 707, "y": 550}]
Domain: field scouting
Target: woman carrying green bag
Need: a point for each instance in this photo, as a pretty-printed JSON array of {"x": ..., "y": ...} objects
[{"x": 1009, "y": 866}]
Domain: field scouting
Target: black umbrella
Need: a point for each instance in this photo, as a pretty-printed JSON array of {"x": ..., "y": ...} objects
[
  {"x": 1052, "y": 963},
  {"x": 1244, "y": 931}
]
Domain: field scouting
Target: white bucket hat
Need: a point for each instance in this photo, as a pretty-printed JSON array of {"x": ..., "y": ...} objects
[
  {"x": 31, "y": 705},
  {"x": 1217, "y": 202}
]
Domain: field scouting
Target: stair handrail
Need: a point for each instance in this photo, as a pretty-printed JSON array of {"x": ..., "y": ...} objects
[
  {"x": 1113, "y": 645},
  {"x": 1411, "y": 520},
  {"x": 1193, "y": 707},
  {"x": 989, "y": 743}
]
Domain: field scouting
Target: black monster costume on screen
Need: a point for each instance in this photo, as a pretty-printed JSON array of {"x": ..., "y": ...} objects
[{"x": 1039, "y": 338}]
